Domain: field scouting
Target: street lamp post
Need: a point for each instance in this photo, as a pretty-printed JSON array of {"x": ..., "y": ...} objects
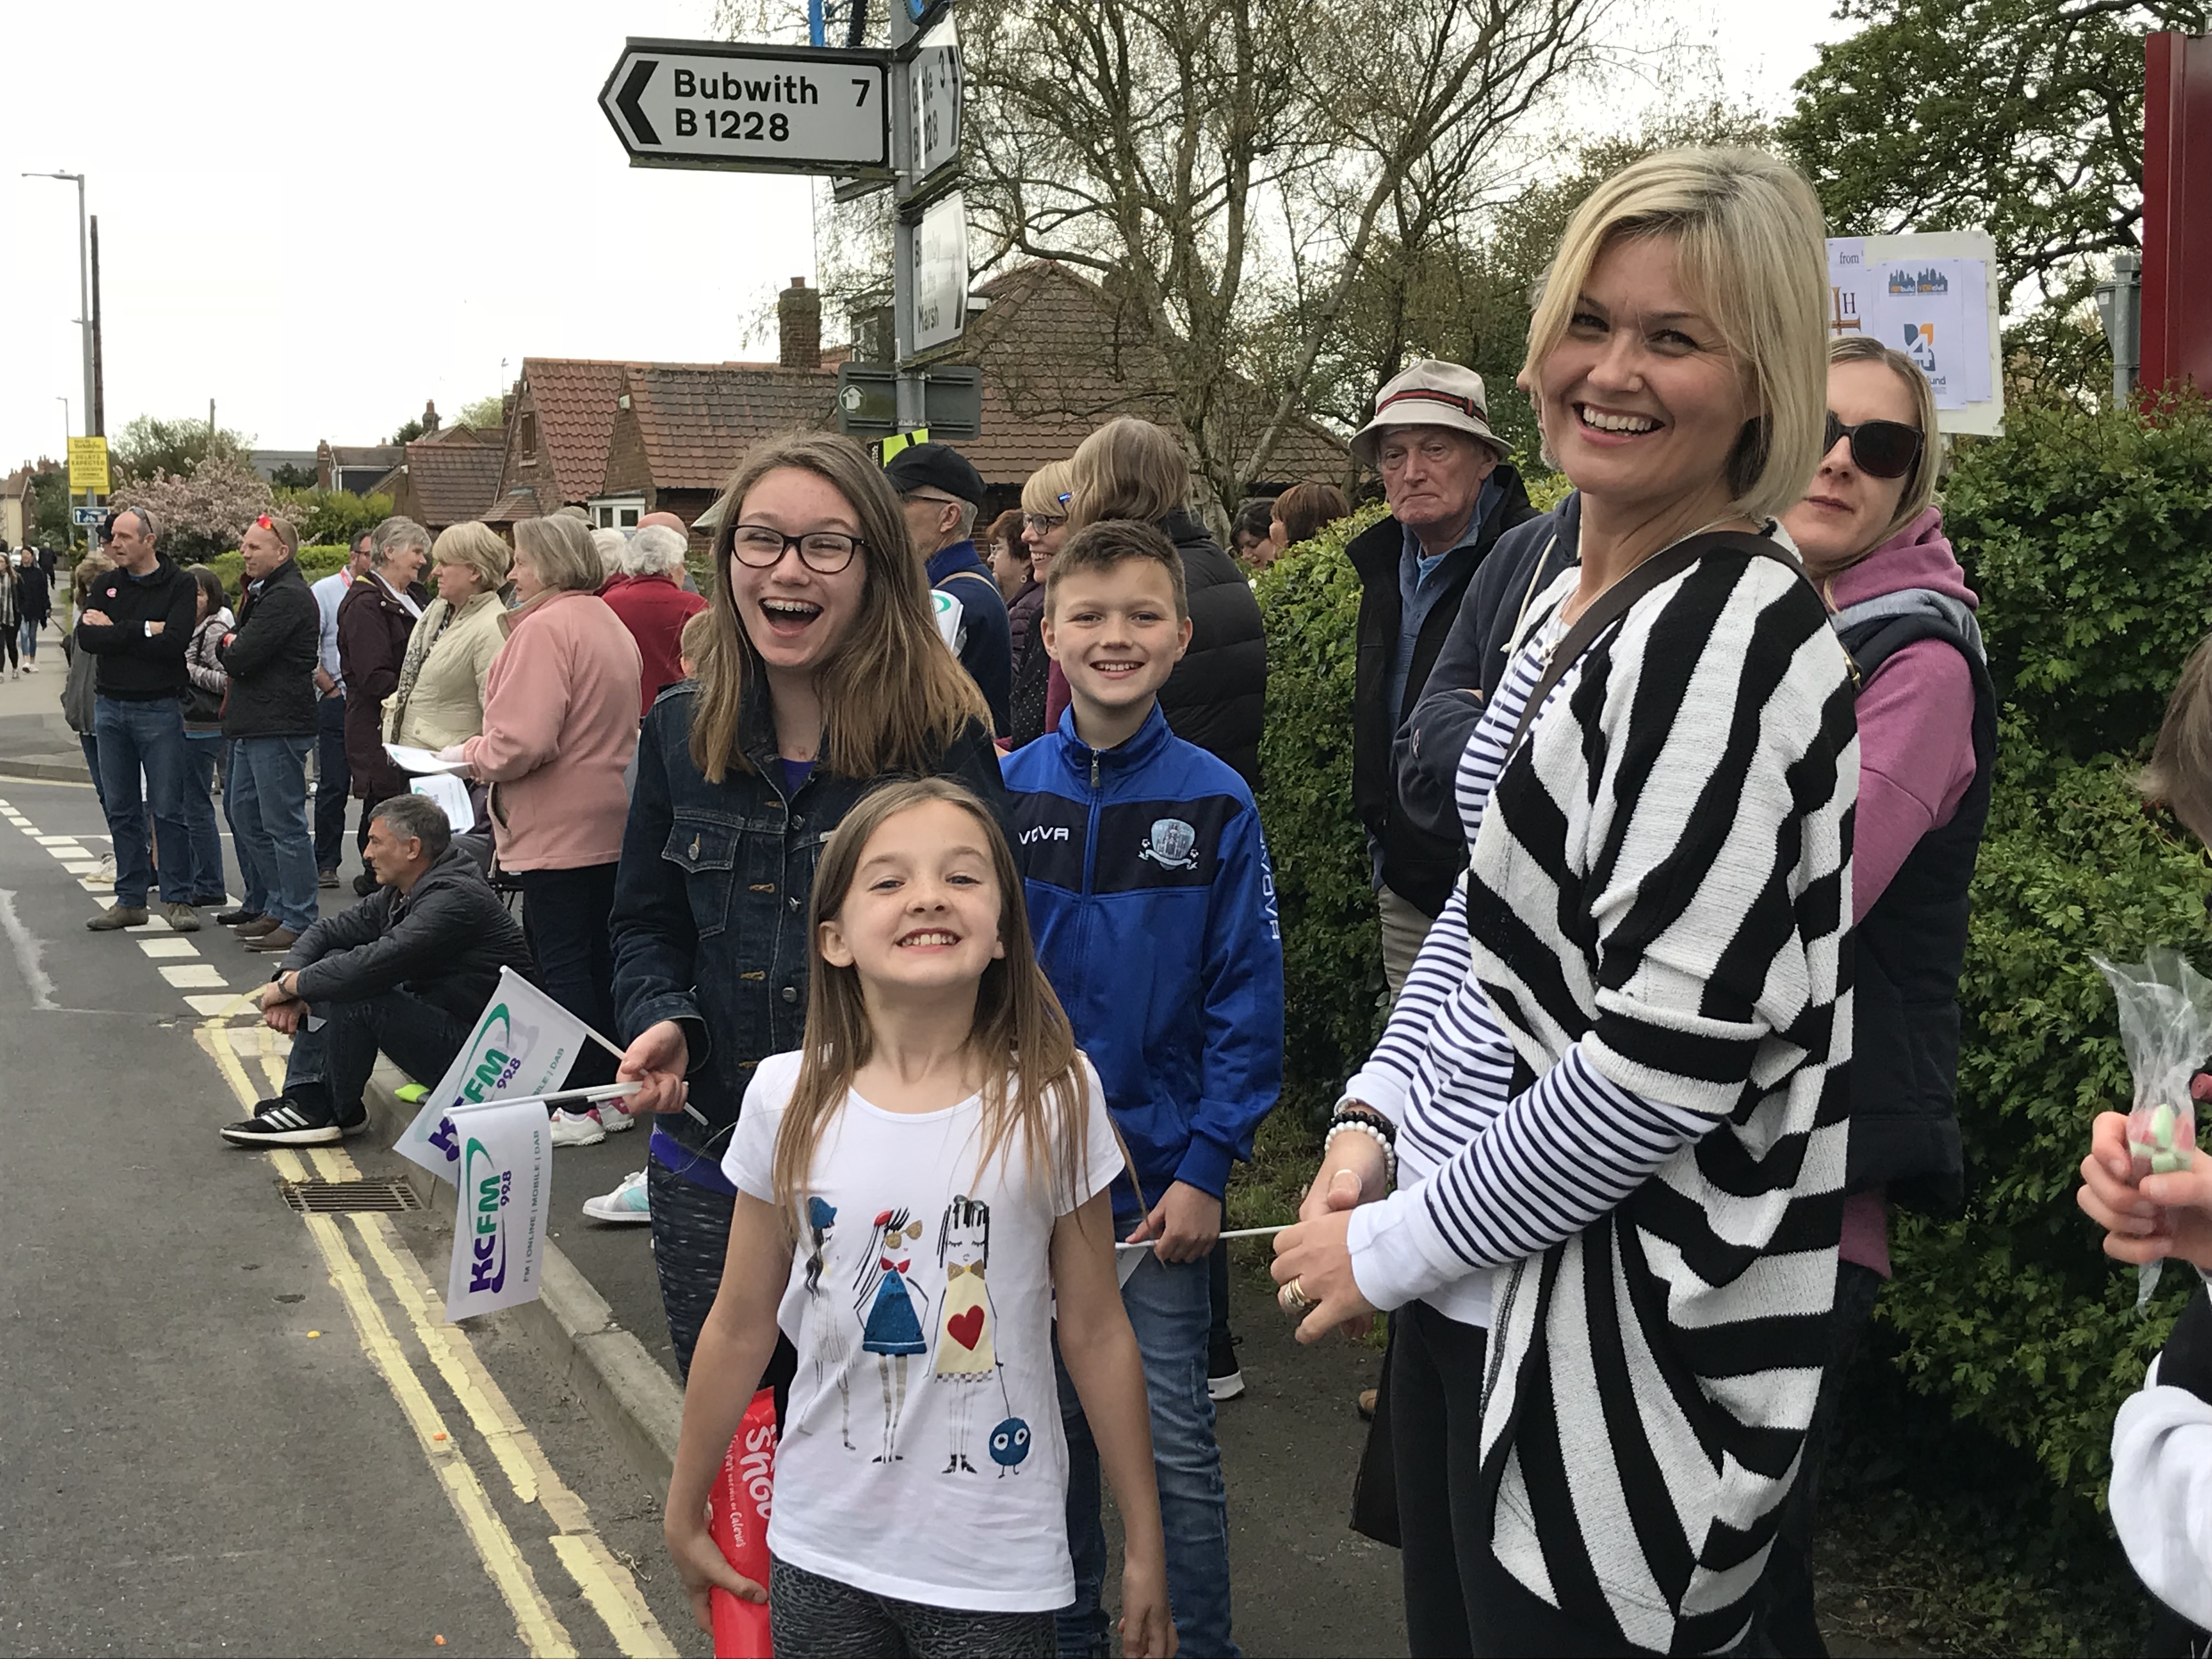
[
  {"x": 84, "y": 293},
  {"x": 63, "y": 402}
]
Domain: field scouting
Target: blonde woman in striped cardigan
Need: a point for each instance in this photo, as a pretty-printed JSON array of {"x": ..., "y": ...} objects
[{"x": 1596, "y": 1165}]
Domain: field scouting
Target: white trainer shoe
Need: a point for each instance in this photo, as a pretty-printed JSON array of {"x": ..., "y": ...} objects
[
  {"x": 577, "y": 1128},
  {"x": 627, "y": 1203},
  {"x": 612, "y": 1118}
]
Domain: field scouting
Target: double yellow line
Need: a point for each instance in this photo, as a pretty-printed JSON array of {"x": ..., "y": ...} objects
[{"x": 604, "y": 1584}]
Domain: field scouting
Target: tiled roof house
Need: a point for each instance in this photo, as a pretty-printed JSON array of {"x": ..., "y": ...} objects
[
  {"x": 354, "y": 466},
  {"x": 1059, "y": 361},
  {"x": 446, "y": 478}
]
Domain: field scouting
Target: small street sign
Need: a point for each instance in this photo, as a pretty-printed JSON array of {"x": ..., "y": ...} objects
[
  {"x": 941, "y": 271},
  {"x": 88, "y": 461},
  {"x": 935, "y": 78},
  {"x": 952, "y": 400},
  {"x": 749, "y": 108},
  {"x": 86, "y": 518}
]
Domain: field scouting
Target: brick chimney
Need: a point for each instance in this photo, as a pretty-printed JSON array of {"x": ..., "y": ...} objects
[
  {"x": 429, "y": 417},
  {"x": 798, "y": 325}
]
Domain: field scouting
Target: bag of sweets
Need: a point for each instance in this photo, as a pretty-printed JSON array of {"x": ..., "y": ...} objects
[{"x": 2166, "y": 1027}]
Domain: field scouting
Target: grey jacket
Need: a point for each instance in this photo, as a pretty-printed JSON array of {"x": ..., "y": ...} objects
[
  {"x": 78, "y": 690},
  {"x": 445, "y": 942}
]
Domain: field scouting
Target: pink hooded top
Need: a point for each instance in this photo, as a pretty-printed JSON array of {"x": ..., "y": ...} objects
[{"x": 1916, "y": 761}]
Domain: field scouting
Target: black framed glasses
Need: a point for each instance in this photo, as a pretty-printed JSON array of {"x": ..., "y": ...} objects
[
  {"x": 825, "y": 552},
  {"x": 1880, "y": 449},
  {"x": 1043, "y": 523}
]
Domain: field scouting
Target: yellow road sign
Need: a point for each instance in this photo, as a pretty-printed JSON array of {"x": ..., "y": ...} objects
[{"x": 87, "y": 459}]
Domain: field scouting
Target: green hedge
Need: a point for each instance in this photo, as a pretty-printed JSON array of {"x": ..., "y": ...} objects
[
  {"x": 1332, "y": 945},
  {"x": 2090, "y": 539}
]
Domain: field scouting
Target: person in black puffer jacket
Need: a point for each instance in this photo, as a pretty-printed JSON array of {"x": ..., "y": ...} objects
[
  {"x": 1217, "y": 698},
  {"x": 268, "y": 715}
]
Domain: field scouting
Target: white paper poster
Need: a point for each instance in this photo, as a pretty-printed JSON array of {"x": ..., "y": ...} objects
[
  {"x": 505, "y": 1166},
  {"x": 523, "y": 1044},
  {"x": 1935, "y": 312},
  {"x": 453, "y": 798}
]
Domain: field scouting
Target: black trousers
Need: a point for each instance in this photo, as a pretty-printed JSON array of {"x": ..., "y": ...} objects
[
  {"x": 1791, "y": 1626},
  {"x": 333, "y": 781},
  {"x": 565, "y": 917},
  {"x": 1459, "y": 1599}
]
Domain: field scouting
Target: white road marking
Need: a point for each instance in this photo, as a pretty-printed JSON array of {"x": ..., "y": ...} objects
[
  {"x": 198, "y": 974},
  {"x": 168, "y": 947},
  {"x": 57, "y": 840},
  {"x": 215, "y": 1007},
  {"x": 26, "y": 945}
]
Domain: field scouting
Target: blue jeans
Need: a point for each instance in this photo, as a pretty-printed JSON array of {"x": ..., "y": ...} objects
[
  {"x": 333, "y": 780},
  {"x": 147, "y": 736},
  {"x": 200, "y": 752},
  {"x": 29, "y": 630},
  {"x": 268, "y": 803},
  {"x": 1171, "y": 1313}
]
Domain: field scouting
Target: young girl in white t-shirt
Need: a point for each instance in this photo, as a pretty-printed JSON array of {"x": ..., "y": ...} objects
[{"x": 917, "y": 1186}]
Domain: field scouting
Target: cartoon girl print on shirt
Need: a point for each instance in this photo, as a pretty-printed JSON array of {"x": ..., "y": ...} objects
[
  {"x": 892, "y": 1307},
  {"x": 965, "y": 1355},
  {"x": 825, "y": 1323}
]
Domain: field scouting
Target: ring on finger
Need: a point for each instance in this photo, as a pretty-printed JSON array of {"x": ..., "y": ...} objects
[{"x": 1293, "y": 1298}]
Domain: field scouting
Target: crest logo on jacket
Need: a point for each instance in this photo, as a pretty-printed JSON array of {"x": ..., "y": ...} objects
[{"x": 1173, "y": 845}]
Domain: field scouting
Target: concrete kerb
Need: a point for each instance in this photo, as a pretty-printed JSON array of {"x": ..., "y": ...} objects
[
  {"x": 58, "y": 770},
  {"x": 626, "y": 1392}
]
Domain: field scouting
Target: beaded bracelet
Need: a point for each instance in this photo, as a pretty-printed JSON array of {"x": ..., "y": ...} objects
[
  {"x": 1349, "y": 1110},
  {"x": 1359, "y": 1125}
]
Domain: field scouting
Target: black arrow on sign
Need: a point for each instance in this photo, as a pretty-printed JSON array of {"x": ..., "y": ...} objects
[{"x": 626, "y": 100}]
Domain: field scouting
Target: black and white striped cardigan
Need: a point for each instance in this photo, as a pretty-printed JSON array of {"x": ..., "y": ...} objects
[{"x": 1655, "y": 913}]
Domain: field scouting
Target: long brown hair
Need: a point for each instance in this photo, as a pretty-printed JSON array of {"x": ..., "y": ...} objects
[
  {"x": 1019, "y": 1025},
  {"x": 894, "y": 696},
  {"x": 2179, "y": 775}
]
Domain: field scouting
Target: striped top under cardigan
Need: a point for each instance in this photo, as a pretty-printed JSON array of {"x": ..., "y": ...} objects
[{"x": 1653, "y": 969}]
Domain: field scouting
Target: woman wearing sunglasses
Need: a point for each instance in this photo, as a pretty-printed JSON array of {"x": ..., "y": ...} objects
[{"x": 1874, "y": 542}]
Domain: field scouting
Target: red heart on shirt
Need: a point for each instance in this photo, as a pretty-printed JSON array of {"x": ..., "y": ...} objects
[{"x": 966, "y": 1329}]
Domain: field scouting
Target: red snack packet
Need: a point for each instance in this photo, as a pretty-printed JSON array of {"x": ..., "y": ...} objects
[{"x": 737, "y": 1517}]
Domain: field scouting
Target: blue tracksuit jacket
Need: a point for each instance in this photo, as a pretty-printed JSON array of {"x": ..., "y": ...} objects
[{"x": 1154, "y": 913}]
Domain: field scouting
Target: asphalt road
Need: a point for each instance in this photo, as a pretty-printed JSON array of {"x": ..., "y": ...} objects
[{"x": 228, "y": 1427}]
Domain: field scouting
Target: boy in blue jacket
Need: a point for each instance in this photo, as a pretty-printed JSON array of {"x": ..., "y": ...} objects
[{"x": 1154, "y": 912}]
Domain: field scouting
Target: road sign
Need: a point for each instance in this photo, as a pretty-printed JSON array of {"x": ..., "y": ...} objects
[
  {"x": 867, "y": 400},
  {"x": 749, "y": 108},
  {"x": 88, "y": 517},
  {"x": 935, "y": 72},
  {"x": 87, "y": 459},
  {"x": 941, "y": 271}
]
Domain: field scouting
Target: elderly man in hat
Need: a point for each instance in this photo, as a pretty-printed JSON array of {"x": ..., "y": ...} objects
[
  {"x": 941, "y": 493},
  {"x": 1452, "y": 492}
]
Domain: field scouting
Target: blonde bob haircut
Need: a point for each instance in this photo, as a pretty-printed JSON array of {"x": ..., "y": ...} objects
[
  {"x": 1920, "y": 482},
  {"x": 475, "y": 547},
  {"x": 1750, "y": 246},
  {"x": 561, "y": 552},
  {"x": 894, "y": 696},
  {"x": 1127, "y": 469},
  {"x": 1042, "y": 493}
]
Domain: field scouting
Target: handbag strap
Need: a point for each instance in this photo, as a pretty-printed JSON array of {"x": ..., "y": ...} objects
[{"x": 1610, "y": 606}]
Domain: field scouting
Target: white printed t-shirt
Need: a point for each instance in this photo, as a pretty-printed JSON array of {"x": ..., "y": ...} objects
[{"x": 922, "y": 1456}]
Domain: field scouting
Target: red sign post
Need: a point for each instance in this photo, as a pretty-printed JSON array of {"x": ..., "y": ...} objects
[{"x": 2177, "y": 227}]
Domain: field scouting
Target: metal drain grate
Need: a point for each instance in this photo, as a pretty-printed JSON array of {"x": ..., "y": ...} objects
[{"x": 328, "y": 1197}]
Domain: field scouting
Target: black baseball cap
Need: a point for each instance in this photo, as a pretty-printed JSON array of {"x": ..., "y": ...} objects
[{"x": 936, "y": 466}]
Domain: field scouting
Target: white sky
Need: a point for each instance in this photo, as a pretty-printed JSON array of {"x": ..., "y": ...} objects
[{"x": 320, "y": 216}]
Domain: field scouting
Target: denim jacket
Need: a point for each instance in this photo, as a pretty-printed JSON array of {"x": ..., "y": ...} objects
[{"x": 711, "y": 897}]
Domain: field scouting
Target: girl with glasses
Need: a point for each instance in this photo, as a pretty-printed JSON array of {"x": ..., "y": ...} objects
[{"x": 818, "y": 671}]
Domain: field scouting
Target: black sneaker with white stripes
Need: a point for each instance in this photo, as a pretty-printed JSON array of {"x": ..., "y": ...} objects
[{"x": 284, "y": 1121}]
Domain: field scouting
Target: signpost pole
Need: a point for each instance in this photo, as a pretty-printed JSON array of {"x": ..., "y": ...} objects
[{"x": 911, "y": 388}]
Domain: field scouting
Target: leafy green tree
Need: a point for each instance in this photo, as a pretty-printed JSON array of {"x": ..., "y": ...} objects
[
  {"x": 292, "y": 475},
  {"x": 50, "y": 491},
  {"x": 332, "y": 515},
  {"x": 151, "y": 447},
  {"x": 2022, "y": 117},
  {"x": 486, "y": 414},
  {"x": 408, "y": 433}
]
